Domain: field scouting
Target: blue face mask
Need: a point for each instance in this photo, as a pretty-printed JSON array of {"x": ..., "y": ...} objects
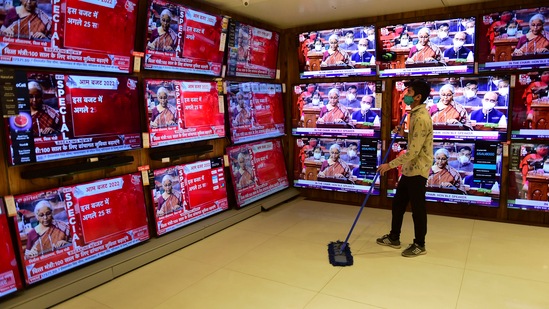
[{"x": 408, "y": 100}]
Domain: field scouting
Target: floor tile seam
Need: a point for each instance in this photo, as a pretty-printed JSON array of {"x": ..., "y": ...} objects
[
  {"x": 352, "y": 300},
  {"x": 506, "y": 275}
]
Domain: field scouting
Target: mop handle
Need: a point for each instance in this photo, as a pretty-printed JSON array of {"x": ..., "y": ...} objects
[{"x": 371, "y": 188}]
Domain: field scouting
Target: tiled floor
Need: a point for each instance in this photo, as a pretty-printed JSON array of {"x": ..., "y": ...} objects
[{"x": 279, "y": 259}]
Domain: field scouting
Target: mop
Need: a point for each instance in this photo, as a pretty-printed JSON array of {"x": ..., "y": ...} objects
[{"x": 339, "y": 252}]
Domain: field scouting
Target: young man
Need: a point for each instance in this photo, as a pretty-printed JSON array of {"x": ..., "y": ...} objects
[{"x": 416, "y": 163}]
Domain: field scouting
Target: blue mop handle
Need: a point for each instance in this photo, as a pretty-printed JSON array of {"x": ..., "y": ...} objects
[{"x": 371, "y": 187}]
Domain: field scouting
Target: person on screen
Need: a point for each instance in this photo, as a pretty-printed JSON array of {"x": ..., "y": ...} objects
[
  {"x": 49, "y": 234},
  {"x": 350, "y": 100},
  {"x": 488, "y": 114},
  {"x": 404, "y": 40},
  {"x": 365, "y": 114},
  {"x": 362, "y": 55},
  {"x": 497, "y": 28},
  {"x": 442, "y": 37},
  {"x": 349, "y": 44},
  {"x": 531, "y": 162},
  {"x": 368, "y": 33},
  {"x": 511, "y": 29},
  {"x": 535, "y": 41},
  {"x": 242, "y": 115},
  {"x": 463, "y": 162},
  {"x": 470, "y": 30},
  {"x": 443, "y": 175},
  {"x": 503, "y": 92},
  {"x": 26, "y": 21},
  {"x": 170, "y": 200},
  {"x": 447, "y": 110},
  {"x": 243, "y": 177},
  {"x": 424, "y": 51},
  {"x": 317, "y": 154},
  {"x": 458, "y": 51},
  {"x": 333, "y": 112},
  {"x": 352, "y": 156},
  {"x": 163, "y": 38},
  {"x": 163, "y": 115},
  {"x": 318, "y": 46},
  {"x": 334, "y": 167},
  {"x": 45, "y": 119},
  {"x": 243, "y": 51},
  {"x": 334, "y": 55},
  {"x": 469, "y": 97},
  {"x": 534, "y": 92}
]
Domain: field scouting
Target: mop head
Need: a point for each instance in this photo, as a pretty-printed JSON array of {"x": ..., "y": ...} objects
[{"x": 339, "y": 257}]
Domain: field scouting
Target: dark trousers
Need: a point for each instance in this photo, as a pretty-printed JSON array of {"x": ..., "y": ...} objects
[{"x": 410, "y": 190}]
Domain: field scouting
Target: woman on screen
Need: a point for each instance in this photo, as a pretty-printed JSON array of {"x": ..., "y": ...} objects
[
  {"x": 448, "y": 111},
  {"x": 334, "y": 167},
  {"x": 535, "y": 41},
  {"x": 163, "y": 115},
  {"x": 48, "y": 235},
  {"x": 242, "y": 115},
  {"x": 26, "y": 21},
  {"x": 333, "y": 112},
  {"x": 424, "y": 50},
  {"x": 45, "y": 119},
  {"x": 170, "y": 200},
  {"x": 443, "y": 175},
  {"x": 163, "y": 38},
  {"x": 334, "y": 55},
  {"x": 243, "y": 177}
]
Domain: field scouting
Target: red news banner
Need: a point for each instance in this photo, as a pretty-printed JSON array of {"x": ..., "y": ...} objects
[
  {"x": 10, "y": 280},
  {"x": 263, "y": 54},
  {"x": 88, "y": 35},
  {"x": 63, "y": 228}
]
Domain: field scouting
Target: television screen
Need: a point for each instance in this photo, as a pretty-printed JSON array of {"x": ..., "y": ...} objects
[
  {"x": 66, "y": 227},
  {"x": 184, "y": 111},
  {"x": 462, "y": 172},
  {"x": 337, "y": 109},
  {"x": 462, "y": 107},
  {"x": 514, "y": 39},
  {"x": 253, "y": 52},
  {"x": 70, "y": 34},
  {"x": 10, "y": 278},
  {"x": 256, "y": 111},
  {"x": 186, "y": 193},
  {"x": 337, "y": 164},
  {"x": 257, "y": 170},
  {"x": 529, "y": 176},
  {"x": 530, "y": 106},
  {"x": 56, "y": 116},
  {"x": 428, "y": 48},
  {"x": 338, "y": 52},
  {"x": 181, "y": 39}
]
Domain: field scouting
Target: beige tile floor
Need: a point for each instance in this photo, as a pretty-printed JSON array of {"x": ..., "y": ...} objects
[{"x": 279, "y": 259}]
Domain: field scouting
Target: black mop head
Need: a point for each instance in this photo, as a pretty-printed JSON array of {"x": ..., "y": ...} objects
[{"x": 340, "y": 257}]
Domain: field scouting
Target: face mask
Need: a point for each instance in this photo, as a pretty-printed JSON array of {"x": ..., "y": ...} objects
[
  {"x": 470, "y": 94},
  {"x": 318, "y": 47},
  {"x": 361, "y": 49},
  {"x": 470, "y": 31},
  {"x": 316, "y": 101},
  {"x": 351, "y": 153},
  {"x": 546, "y": 168},
  {"x": 317, "y": 155},
  {"x": 371, "y": 37},
  {"x": 408, "y": 100},
  {"x": 404, "y": 42},
  {"x": 511, "y": 31},
  {"x": 458, "y": 44},
  {"x": 350, "y": 96},
  {"x": 463, "y": 159},
  {"x": 488, "y": 105},
  {"x": 349, "y": 41},
  {"x": 442, "y": 34},
  {"x": 364, "y": 107},
  {"x": 503, "y": 91}
]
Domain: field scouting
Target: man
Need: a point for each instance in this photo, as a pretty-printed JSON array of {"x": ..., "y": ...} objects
[
  {"x": 458, "y": 51},
  {"x": 365, "y": 114},
  {"x": 349, "y": 42},
  {"x": 350, "y": 100},
  {"x": 442, "y": 35},
  {"x": 503, "y": 92},
  {"x": 469, "y": 97},
  {"x": 45, "y": 119},
  {"x": 463, "y": 163},
  {"x": 416, "y": 164},
  {"x": 333, "y": 112},
  {"x": 362, "y": 55},
  {"x": 488, "y": 114},
  {"x": 351, "y": 156}
]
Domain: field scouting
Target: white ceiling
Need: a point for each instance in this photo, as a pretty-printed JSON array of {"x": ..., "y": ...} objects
[{"x": 285, "y": 14}]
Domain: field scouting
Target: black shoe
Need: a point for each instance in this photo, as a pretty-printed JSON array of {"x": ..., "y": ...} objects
[
  {"x": 414, "y": 250},
  {"x": 385, "y": 240}
]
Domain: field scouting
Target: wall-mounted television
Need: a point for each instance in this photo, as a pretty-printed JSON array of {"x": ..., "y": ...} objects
[
  {"x": 257, "y": 170},
  {"x": 462, "y": 107},
  {"x": 181, "y": 111},
  {"x": 336, "y": 109},
  {"x": 181, "y": 39},
  {"x": 514, "y": 40},
  {"x": 531, "y": 101},
  {"x": 62, "y": 228},
  {"x": 337, "y": 164},
  {"x": 84, "y": 35},
  {"x": 467, "y": 172},
  {"x": 427, "y": 48},
  {"x": 338, "y": 52},
  {"x": 186, "y": 193},
  {"x": 55, "y": 116},
  {"x": 256, "y": 111},
  {"x": 10, "y": 278},
  {"x": 253, "y": 52}
]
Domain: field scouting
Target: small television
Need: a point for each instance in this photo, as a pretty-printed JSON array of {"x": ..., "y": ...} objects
[
  {"x": 10, "y": 278},
  {"x": 530, "y": 100},
  {"x": 186, "y": 193},
  {"x": 181, "y": 39},
  {"x": 338, "y": 52},
  {"x": 445, "y": 46},
  {"x": 461, "y": 107},
  {"x": 253, "y": 52},
  {"x": 257, "y": 170},
  {"x": 467, "y": 172},
  {"x": 336, "y": 164},
  {"x": 56, "y": 116},
  {"x": 528, "y": 176},
  {"x": 514, "y": 40},
  {"x": 62, "y": 228},
  {"x": 337, "y": 109},
  {"x": 256, "y": 111},
  {"x": 83, "y": 35},
  {"x": 181, "y": 111}
]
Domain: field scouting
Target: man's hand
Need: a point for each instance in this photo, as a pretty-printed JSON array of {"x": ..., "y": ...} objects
[{"x": 383, "y": 168}]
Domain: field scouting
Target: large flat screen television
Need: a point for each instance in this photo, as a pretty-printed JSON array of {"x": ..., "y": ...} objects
[
  {"x": 257, "y": 169},
  {"x": 338, "y": 52},
  {"x": 83, "y": 35},
  {"x": 530, "y": 105},
  {"x": 514, "y": 40},
  {"x": 186, "y": 193},
  {"x": 181, "y": 39},
  {"x": 62, "y": 228},
  {"x": 10, "y": 278},
  {"x": 56, "y": 116},
  {"x": 467, "y": 172},
  {"x": 427, "y": 48},
  {"x": 336, "y": 109},
  {"x": 256, "y": 111},
  {"x": 529, "y": 176},
  {"x": 181, "y": 111},
  {"x": 337, "y": 164},
  {"x": 253, "y": 52},
  {"x": 461, "y": 107}
]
